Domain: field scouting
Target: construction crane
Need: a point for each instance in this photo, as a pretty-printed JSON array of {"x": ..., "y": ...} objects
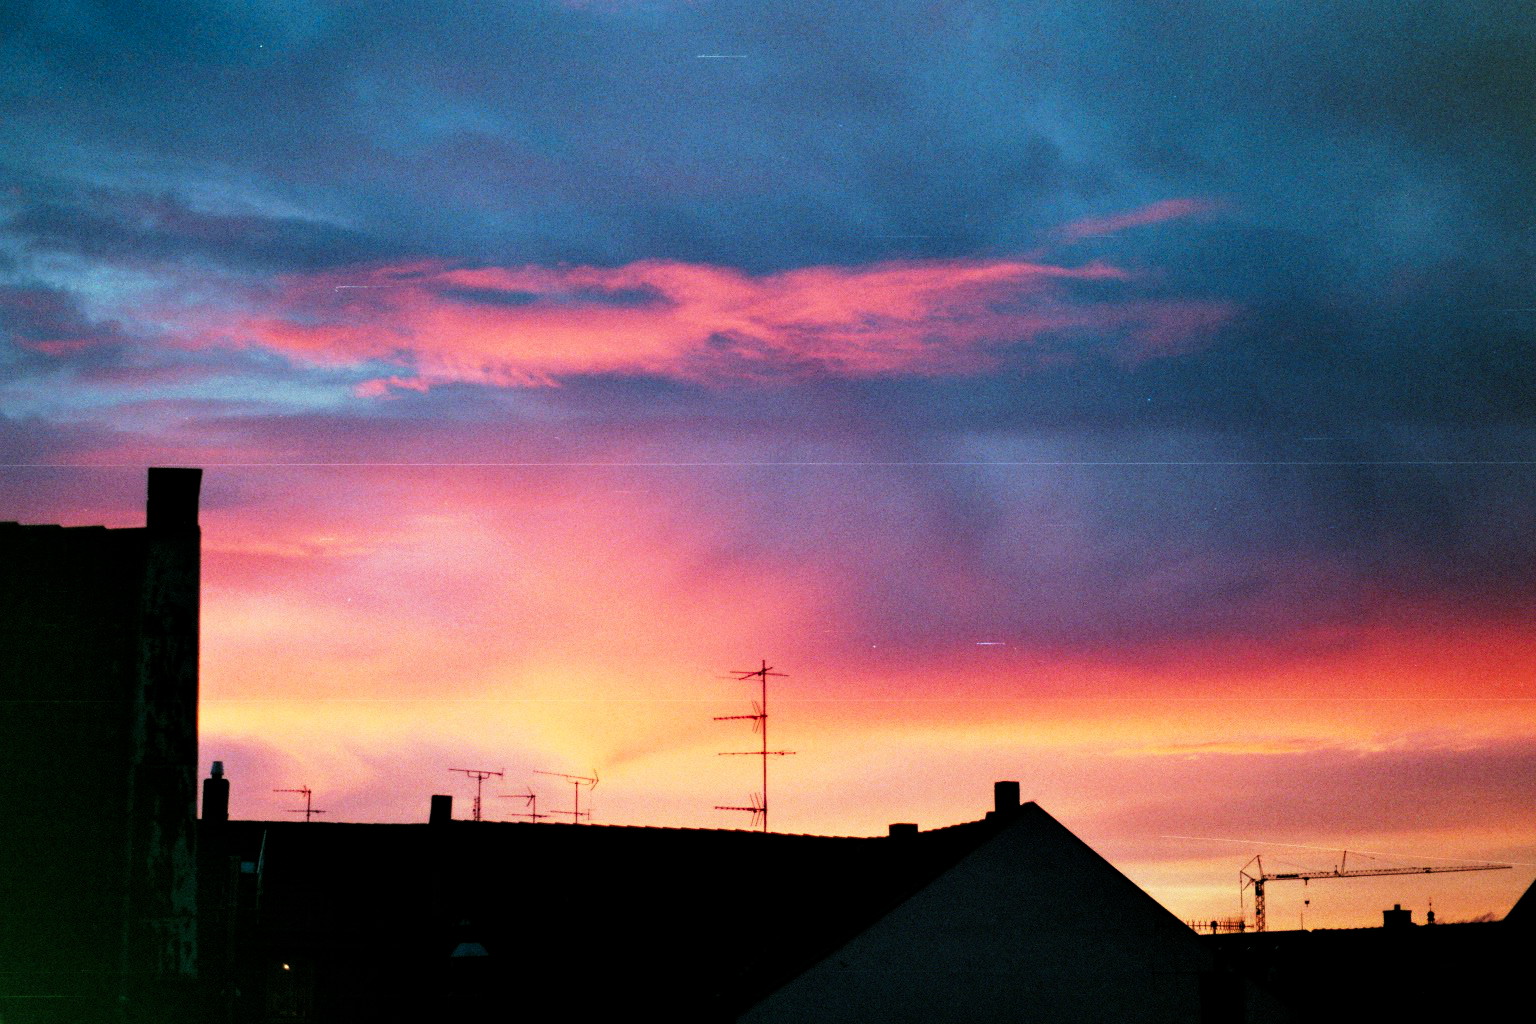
[{"x": 1257, "y": 880}]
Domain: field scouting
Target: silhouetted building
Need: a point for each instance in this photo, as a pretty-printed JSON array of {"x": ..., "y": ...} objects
[
  {"x": 1008, "y": 918},
  {"x": 1523, "y": 914},
  {"x": 1029, "y": 924},
  {"x": 98, "y": 763},
  {"x": 1471, "y": 971}
]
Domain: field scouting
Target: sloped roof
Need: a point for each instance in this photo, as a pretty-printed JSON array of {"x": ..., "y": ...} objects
[
  {"x": 1031, "y": 923},
  {"x": 1523, "y": 913}
]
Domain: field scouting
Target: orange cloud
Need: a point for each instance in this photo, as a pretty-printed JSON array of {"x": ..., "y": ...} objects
[{"x": 531, "y": 326}]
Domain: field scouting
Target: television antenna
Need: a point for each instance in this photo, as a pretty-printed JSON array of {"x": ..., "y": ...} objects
[
  {"x": 759, "y": 720},
  {"x": 530, "y": 801},
  {"x": 309, "y": 808},
  {"x": 479, "y": 775},
  {"x": 758, "y": 809},
  {"x": 576, "y": 781}
]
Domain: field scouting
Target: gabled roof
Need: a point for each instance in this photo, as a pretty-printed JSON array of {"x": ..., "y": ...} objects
[
  {"x": 1030, "y": 923},
  {"x": 1523, "y": 913}
]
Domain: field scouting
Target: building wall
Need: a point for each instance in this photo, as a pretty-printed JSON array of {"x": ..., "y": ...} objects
[{"x": 98, "y": 757}]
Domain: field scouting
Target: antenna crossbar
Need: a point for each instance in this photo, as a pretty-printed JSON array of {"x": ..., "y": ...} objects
[
  {"x": 530, "y": 800},
  {"x": 309, "y": 809},
  {"x": 757, "y": 808}
]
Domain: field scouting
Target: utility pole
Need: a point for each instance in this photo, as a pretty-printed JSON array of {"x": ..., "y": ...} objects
[
  {"x": 759, "y": 720},
  {"x": 309, "y": 809},
  {"x": 479, "y": 775}
]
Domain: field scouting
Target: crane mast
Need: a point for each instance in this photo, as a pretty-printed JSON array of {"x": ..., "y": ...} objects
[{"x": 1257, "y": 879}]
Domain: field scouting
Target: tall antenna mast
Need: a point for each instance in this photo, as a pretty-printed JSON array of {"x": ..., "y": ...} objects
[
  {"x": 759, "y": 720},
  {"x": 309, "y": 808},
  {"x": 479, "y": 775},
  {"x": 530, "y": 801},
  {"x": 576, "y": 781}
]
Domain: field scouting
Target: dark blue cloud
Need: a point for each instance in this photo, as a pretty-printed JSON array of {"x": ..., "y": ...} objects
[
  {"x": 38, "y": 317},
  {"x": 617, "y": 297},
  {"x": 113, "y": 226},
  {"x": 822, "y": 133},
  {"x": 1368, "y": 166}
]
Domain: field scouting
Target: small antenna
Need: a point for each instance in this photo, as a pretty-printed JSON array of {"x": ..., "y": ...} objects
[
  {"x": 530, "y": 801},
  {"x": 576, "y": 781},
  {"x": 309, "y": 809},
  {"x": 759, "y": 809},
  {"x": 759, "y": 719},
  {"x": 479, "y": 775}
]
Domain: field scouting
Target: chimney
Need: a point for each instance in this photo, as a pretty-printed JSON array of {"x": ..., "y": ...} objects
[
  {"x": 172, "y": 503},
  {"x": 442, "y": 809},
  {"x": 1397, "y": 917},
  {"x": 216, "y": 795},
  {"x": 903, "y": 829},
  {"x": 1005, "y": 797}
]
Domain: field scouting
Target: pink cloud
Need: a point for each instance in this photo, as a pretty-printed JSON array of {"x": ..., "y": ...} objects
[
  {"x": 1152, "y": 213},
  {"x": 531, "y": 326}
]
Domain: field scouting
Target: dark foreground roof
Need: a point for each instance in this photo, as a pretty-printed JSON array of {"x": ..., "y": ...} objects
[
  {"x": 1440, "y": 972},
  {"x": 700, "y": 925},
  {"x": 614, "y": 917},
  {"x": 1523, "y": 913}
]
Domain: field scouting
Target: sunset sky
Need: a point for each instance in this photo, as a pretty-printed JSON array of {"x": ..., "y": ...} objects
[{"x": 1129, "y": 398}]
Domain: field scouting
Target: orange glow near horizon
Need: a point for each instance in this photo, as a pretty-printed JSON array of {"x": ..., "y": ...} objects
[
  {"x": 365, "y": 629},
  {"x": 363, "y": 652}
]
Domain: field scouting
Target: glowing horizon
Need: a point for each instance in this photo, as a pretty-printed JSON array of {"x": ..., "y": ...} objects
[{"x": 360, "y": 649}]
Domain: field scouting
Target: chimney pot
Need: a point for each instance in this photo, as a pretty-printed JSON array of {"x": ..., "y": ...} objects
[{"x": 216, "y": 795}]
